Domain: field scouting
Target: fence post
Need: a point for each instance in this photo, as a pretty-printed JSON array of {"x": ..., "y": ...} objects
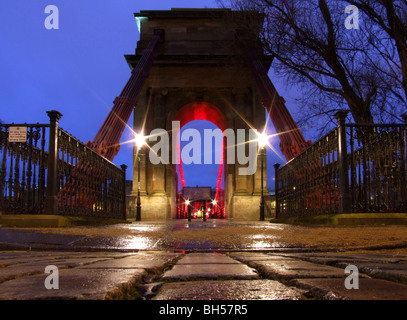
[
  {"x": 124, "y": 167},
  {"x": 51, "y": 195},
  {"x": 345, "y": 197},
  {"x": 276, "y": 167},
  {"x": 3, "y": 168},
  {"x": 404, "y": 117},
  {"x": 403, "y": 164}
]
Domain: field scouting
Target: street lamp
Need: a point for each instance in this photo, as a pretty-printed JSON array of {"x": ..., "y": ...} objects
[
  {"x": 187, "y": 202},
  {"x": 262, "y": 141},
  {"x": 214, "y": 211},
  {"x": 140, "y": 140}
]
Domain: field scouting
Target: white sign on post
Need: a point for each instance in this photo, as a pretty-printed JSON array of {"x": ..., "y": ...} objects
[{"x": 17, "y": 134}]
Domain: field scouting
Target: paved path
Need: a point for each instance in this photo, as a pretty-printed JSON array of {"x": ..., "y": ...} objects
[
  {"x": 177, "y": 261},
  {"x": 200, "y": 276},
  {"x": 210, "y": 236}
]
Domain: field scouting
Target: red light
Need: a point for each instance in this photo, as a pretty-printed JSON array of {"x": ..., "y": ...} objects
[{"x": 202, "y": 111}]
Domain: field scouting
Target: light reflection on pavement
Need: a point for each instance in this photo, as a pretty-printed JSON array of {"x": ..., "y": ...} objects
[
  {"x": 197, "y": 235},
  {"x": 171, "y": 235}
]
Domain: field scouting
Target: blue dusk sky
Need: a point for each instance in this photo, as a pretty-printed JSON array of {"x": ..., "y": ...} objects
[{"x": 80, "y": 68}]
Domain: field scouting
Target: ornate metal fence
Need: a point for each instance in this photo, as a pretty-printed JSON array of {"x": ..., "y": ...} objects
[
  {"x": 23, "y": 170},
  {"x": 354, "y": 168},
  {"x": 377, "y": 162},
  {"x": 89, "y": 185},
  {"x": 308, "y": 184},
  {"x": 60, "y": 175}
]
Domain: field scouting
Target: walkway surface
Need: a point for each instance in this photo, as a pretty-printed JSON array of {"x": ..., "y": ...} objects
[{"x": 196, "y": 261}]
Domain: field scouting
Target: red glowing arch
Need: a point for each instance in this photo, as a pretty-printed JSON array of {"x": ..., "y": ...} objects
[{"x": 202, "y": 111}]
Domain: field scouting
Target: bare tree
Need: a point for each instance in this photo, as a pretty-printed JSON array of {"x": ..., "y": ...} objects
[
  {"x": 336, "y": 67},
  {"x": 391, "y": 17}
]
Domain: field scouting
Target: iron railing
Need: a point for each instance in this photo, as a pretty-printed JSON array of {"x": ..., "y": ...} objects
[
  {"x": 377, "y": 162},
  {"x": 23, "y": 170},
  {"x": 308, "y": 184},
  {"x": 354, "y": 168},
  {"x": 54, "y": 173}
]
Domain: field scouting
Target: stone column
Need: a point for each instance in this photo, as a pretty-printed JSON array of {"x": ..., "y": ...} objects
[
  {"x": 241, "y": 180},
  {"x": 257, "y": 176},
  {"x": 158, "y": 178},
  {"x": 139, "y": 119}
]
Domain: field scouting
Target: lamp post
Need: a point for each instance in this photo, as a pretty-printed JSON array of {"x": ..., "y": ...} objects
[
  {"x": 187, "y": 202},
  {"x": 140, "y": 141},
  {"x": 214, "y": 211},
  {"x": 262, "y": 141}
]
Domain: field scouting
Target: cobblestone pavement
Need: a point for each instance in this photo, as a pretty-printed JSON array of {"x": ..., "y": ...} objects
[
  {"x": 200, "y": 276},
  {"x": 215, "y": 261}
]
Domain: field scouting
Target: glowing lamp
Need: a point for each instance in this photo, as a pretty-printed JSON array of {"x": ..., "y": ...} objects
[
  {"x": 140, "y": 140},
  {"x": 262, "y": 139}
]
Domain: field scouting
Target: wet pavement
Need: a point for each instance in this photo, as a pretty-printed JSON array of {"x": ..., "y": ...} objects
[
  {"x": 195, "y": 235},
  {"x": 199, "y": 276},
  {"x": 217, "y": 260},
  {"x": 213, "y": 235}
]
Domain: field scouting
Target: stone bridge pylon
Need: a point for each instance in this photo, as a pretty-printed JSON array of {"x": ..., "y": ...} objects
[{"x": 198, "y": 64}]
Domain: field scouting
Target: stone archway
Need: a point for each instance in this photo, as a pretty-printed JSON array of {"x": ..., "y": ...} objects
[{"x": 209, "y": 112}]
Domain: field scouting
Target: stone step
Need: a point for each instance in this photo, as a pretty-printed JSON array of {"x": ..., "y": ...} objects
[
  {"x": 228, "y": 290},
  {"x": 209, "y": 266}
]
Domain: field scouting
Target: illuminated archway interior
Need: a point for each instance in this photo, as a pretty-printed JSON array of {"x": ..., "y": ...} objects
[{"x": 200, "y": 116}]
